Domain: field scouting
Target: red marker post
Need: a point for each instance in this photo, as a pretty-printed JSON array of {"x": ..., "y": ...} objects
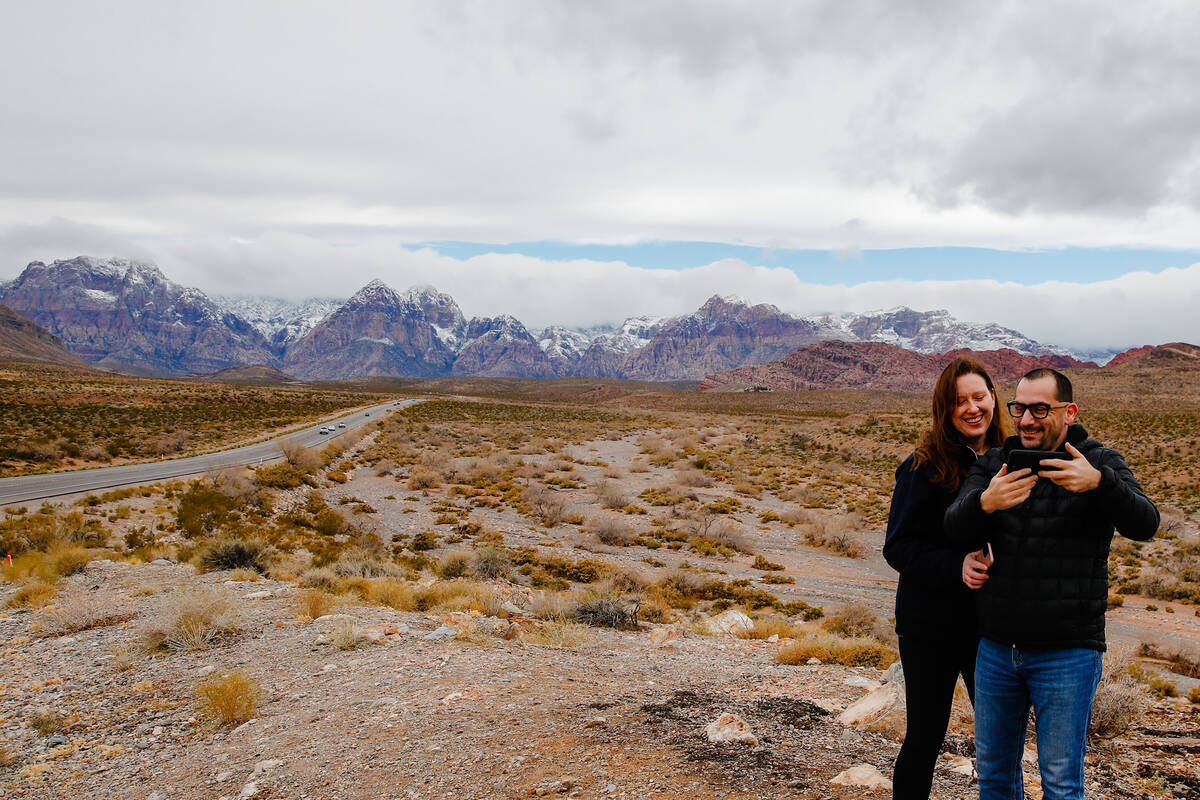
[{"x": 10, "y": 558}]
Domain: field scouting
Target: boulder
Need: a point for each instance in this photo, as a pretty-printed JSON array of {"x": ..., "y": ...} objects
[
  {"x": 730, "y": 622},
  {"x": 863, "y": 775},
  {"x": 730, "y": 728},
  {"x": 872, "y": 706}
]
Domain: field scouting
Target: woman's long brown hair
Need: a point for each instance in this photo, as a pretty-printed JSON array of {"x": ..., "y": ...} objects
[{"x": 941, "y": 445}]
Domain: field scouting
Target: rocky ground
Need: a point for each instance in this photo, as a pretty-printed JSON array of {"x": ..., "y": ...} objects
[
  {"x": 369, "y": 702},
  {"x": 424, "y": 709}
]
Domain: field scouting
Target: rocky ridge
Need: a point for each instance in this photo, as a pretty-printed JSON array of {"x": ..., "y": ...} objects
[{"x": 127, "y": 316}]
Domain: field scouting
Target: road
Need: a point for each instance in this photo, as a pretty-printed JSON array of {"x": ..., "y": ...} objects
[{"x": 57, "y": 484}]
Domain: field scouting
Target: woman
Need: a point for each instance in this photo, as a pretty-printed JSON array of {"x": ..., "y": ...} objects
[{"x": 935, "y": 610}]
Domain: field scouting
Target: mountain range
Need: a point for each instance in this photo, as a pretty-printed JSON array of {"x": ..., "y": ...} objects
[{"x": 127, "y": 316}]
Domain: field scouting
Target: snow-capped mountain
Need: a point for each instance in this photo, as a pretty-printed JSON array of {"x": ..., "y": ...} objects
[
  {"x": 930, "y": 332},
  {"x": 127, "y": 316},
  {"x": 279, "y": 320}
]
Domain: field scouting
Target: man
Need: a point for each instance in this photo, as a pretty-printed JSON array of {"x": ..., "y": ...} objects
[{"x": 1044, "y": 591}]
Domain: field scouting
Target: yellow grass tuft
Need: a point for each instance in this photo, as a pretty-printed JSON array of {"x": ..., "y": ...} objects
[{"x": 227, "y": 700}]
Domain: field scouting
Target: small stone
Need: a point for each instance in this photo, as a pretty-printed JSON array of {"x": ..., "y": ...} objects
[
  {"x": 730, "y": 728},
  {"x": 162, "y": 562},
  {"x": 264, "y": 766},
  {"x": 871, "y": 706},
  {"x": 511, "y": 609},
  {"x": 256, "y": 595},
  {"x": 814, "y": 661},
  {"x": 596, "y": 722},
  {"x": 207, "y": 669},
  {"x": 224, "y": 776},
  {"x": 444, "y": 632},
  {"x": 249, "y": 790},
  {"x": 661, "y": 637},
  {"x": 609, "y": 789},
  {"x": 863, "y": 775}
]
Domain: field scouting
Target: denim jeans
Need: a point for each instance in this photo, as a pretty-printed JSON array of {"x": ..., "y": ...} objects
[{"x": 1060, "y": 686}]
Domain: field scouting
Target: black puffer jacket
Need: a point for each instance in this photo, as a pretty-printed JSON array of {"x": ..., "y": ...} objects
[
  {"x": 931, "y": 599},
  {"x": 1048, "y": 587}
]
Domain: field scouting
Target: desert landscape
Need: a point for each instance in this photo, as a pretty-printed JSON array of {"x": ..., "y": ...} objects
[{"x": 518, "y": 588}]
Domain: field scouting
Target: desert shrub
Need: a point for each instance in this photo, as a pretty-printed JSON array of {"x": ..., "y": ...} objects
[
  {"x": 453, "y": 565},
  {"x": 392, "y": 593},
  {"x": 47, "y": 721},
  {"x": 357, "y": 562},
  {"x": 728, "y": 535},
  {"x": 856, "y": 620},
  {"x": 694, "y": 478},
  {"x": 555, "y": 634},
  {"x": 423, "y": 540},
  {"x": 81, "y": 611},
  {"x": 1158, "y": 686},
  {"x": 299, "y": 456},
  {"x": 610, "y": 495},
  {"x": 32, "y": 595},
  {"x": 319, "y": 578},
  {"x": 613, "y": 532},
  {"x": 1120, "y": 701},
  {"x": 1178, "y": 661},
  {"x": 235, "y": 554},
  {"x": 1194, "y": 695},
  {"x": 605, "y": 611},
  {"x": 64, "y": 560},
  {"x": 329, "y": 522},
  {"x": 191, "y": 619},
  {"x": 766, "y": 627},
  {"x": 423, "y": 478},
  {"x": 344, "y": 635},
  {"x": 761, "y": 562},
  {"x": 313, "y": 603},
  {"x": 227, "y": 700},
  {"x": 553, "y": 606},
  {"x": 491, "y": 562},
  {"x": 281, "y": 476},
  {"x": 831, "y": 649},
  {"x": 832, "y": 534},
  {"x": 545, "y": 505}
]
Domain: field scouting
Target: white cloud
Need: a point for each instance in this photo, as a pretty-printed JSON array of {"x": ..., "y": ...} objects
[{"x": 1134, "y": 309}]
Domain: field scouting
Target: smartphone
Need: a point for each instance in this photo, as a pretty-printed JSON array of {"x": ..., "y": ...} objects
[{"x": 1020, "y": 459}]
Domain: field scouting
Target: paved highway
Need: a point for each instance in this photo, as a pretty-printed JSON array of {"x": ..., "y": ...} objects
[{"x": 38, "y": 487}]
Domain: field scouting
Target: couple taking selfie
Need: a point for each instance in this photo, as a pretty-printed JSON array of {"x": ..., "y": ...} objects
[{"x": 1002, "y": 549}]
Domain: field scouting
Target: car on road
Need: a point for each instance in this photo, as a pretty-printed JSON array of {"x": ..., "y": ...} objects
[
  {"x": 323, "y": 431},
  {"x": 341, "y": 424}
]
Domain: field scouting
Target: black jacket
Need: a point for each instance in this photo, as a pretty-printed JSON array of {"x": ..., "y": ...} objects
[
  {"x": 931, "y": 599},
  {"x": 1048, "y": 587}
]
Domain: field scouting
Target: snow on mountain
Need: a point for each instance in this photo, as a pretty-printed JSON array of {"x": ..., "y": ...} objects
[{"x": 279, "y": 320}]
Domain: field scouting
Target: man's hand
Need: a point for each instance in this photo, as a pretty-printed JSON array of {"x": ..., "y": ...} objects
[
  {"x": 974, "y": 569},
  {"x": 1005, "y": 491},
  {"x": 1075, "y": 475}
]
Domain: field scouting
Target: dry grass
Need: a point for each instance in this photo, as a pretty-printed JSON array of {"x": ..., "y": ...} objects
[
  {"x": 554, "y": 634},
  {"x": 81, "y": 611},
  {"x": 829, "y": 648},
  {"x": 766, "y": 627},
  {"x": 613, "y": 532},
  {"x": 47, "y": 721},
  {"x": 191, "y": 619},
  {"x": 33, "y": 595},
  {"x": 856, "y": 620},
  {"x": 1120, "y": 701},
  {"x": 227, "y": 700},
  {"x": 313, "y": 603},
  {"x": 344, "y": 635},
  {"x": 833, "y": 533}
]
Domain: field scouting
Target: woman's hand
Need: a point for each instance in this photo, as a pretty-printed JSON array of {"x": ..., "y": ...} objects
[{"x": 974, "y": 569}]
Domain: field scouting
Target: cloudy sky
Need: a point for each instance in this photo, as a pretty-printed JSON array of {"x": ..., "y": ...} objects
[{"x": 576, "y": 162}]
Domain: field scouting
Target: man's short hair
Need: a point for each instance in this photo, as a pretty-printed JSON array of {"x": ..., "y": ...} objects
[{"x": 1063, "y": 391}]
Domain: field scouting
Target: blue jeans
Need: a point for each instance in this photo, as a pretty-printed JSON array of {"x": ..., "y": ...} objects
[{"x": 1060, "y": 686}]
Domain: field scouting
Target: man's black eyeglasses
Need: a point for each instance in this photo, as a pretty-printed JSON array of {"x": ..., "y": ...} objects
[{"x": 1036, "y": 410}]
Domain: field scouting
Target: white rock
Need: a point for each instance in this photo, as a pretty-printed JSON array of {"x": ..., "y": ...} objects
[
  {"x": 207, "y": 669},
  {"x": 814, "y": 661},
  {"x": 444, "y": 632},
  {"x": 257, "y": 595},
  {"x": 863, "y": 775},
  {"x": 859, "y": 680},
  {"x": 729, "y": 622},
  {"x": 730, "y": 728},
  {"x": 264, "y": 766},
  {"x": 660, "y": 637},
  {"x": 1030, "y": 755},
  {"x": 870, "y": 707},
  {"x": 335, "y": 618},
  {"x": 224, "y": 776},
  {"x": 249, "y": 790},
  {"x": 960, "y": 765}
]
